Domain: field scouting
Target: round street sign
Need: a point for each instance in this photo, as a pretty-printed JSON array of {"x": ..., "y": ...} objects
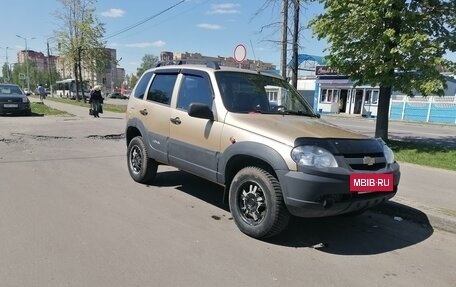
[{"x": 240, "y": 52}]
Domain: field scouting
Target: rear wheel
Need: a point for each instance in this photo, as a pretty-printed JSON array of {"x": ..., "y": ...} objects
[
  {"x": 256, "y": 203},
  {"x": 142, "y": 168}
]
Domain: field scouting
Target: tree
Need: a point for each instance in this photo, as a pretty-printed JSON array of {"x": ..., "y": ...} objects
[
  {"x": 80, "y": 38},
  {"x": 148, "y": 61},
  {"x": 132, "y": 81},
  {"x": 6, "y": 71},
  {"x": 294, "y": 7},
  {"x": 391, "y": 43}
]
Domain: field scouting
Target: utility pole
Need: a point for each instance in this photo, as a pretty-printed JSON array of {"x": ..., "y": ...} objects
[
  {"x": 283, "y": 56},
  {"x": 49, "y": 67},
  {"x": 26, "y": 59},
  {"x": 294, "y": 68}
]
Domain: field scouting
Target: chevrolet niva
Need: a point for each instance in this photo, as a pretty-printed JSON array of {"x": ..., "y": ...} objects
[{"x": 255, "y": 135}]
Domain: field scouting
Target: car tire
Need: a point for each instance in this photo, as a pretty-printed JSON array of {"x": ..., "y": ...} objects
[
  {"x": 256, "y": 203},
  {"x": 141, "y": 167}
]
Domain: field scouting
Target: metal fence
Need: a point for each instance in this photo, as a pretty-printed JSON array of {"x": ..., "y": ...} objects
[{"x": 430, "y": 109}]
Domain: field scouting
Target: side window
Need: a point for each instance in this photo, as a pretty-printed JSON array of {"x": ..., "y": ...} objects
[
  {"x": 194, "y": 89},
  {"x": 161, "y": 89},
  {"x": 142, "y": 85}
]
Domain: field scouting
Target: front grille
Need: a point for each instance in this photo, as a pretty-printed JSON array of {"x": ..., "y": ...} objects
[
  {"x": 365, "y": 162},
  {"x": 374, "y": 167}
]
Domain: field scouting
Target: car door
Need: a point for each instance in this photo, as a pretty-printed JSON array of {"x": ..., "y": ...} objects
[
  {"x": 156, "y": 112},
  {"x": 194, "y": 142}
]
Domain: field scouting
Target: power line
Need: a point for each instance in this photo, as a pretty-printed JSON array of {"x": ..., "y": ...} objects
[{"x": 144, "y": 20}]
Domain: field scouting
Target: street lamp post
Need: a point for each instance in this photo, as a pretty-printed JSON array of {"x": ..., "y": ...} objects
[
  {"x": 26, "y": 60},
  {"x": 49, "y": 65}
]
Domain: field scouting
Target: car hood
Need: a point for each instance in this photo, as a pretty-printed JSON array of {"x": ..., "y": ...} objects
[{"x": 287, "y": 128}]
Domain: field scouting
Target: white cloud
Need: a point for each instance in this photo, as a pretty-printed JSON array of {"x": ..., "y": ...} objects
[
  {"x": 225, "y": 8},
  {"x": 113, "y": 13},
  {"x": 156, "y": 44},
  {"x": 209, "y": 26}
]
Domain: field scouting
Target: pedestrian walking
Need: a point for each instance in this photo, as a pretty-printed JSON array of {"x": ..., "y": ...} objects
[
  {"x": 40, "y": 90},
  {"x": 96, "y": 102}
]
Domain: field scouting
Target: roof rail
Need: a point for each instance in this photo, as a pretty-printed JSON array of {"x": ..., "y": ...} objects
[{"x": 210, "y": 64}]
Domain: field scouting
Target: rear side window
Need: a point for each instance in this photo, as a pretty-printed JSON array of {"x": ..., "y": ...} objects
[
  {"x": 142, "y": 85},
  {"x": 161, "y": 88}
]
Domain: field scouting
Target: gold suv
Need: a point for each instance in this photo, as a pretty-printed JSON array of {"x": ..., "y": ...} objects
[{"x": 255, "y": 135}]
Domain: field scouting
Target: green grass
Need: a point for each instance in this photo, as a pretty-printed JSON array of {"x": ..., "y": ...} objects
[
  {"x": 40, "y": 109},
  {"x": 424, "y": 154},
  {"x": 106, "y": 107}
]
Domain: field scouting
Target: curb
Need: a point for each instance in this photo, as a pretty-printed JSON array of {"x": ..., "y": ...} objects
[{"x": 420, "y": 214}]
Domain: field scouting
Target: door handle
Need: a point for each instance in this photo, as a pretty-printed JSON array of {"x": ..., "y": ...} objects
[
  {"x": 175, "y": 120},
  {"x": 143, "y": 112}
]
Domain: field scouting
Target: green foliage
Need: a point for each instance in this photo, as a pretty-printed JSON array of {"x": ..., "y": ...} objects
[
  {"x": 424, "y": 154},
  {"x": 371, "y": 38},
  {"x": 148, "y": 61},
  {"x": 389, "y": 43},
  {"x": 36, "y": 75},
  {"x": 133, "y": 81},
  {"x": 80, "y": 38}
]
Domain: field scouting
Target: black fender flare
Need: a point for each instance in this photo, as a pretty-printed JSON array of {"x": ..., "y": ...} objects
[{"x": 252, "y": 149}]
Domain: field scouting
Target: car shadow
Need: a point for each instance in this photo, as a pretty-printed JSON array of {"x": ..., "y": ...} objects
[
  {"x": 441, "y": 144},
  {"x": 377, "y": 231},
  {"x": 23, "y": 116},
  {"x": 192, "y": 185},
  {"x": 370, "y": 233},
  {"x": 35, "y": 115}
]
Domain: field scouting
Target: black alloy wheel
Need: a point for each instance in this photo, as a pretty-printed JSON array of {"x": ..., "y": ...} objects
[
  {"x": 141, "y": 168},
  {"x": 256, "y": 203}
]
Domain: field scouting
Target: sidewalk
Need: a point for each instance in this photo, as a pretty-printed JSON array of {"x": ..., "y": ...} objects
[
  {"x": 425, "y": 195},
  {"x": 80, "y": 112}
]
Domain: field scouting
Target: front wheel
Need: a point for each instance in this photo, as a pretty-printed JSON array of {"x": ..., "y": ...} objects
[
  {"x": 256, "y": 203},
  {"x": 142, "y": 168}
]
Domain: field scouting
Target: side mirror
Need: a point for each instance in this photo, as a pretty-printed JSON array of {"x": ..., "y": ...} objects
[{"x": 201, "y": 111}]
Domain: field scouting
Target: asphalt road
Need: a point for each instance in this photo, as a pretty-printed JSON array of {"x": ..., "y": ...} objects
[
  {"x": 70, "y": 215},
  {"x": 419, "y": 132}
]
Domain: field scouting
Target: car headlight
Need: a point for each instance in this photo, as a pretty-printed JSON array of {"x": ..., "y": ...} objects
[
  {"x": 389, "y": 154},
  {"x": 313, "y": 156},
  {"x": 25, "y": 100}
]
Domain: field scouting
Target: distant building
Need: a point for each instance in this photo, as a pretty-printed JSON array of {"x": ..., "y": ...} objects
[
  {"x": 42, "y": 62},
  {"x": 223, "y": 61},
  {"x": 111, "y": 78}
]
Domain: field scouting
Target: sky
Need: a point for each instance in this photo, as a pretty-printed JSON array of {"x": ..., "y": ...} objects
[{"x": 210, "y": 27}]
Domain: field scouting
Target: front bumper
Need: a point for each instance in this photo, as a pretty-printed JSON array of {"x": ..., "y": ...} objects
[
  {"x": 21, "y": 108},
  {"x": 320, "y": 194}
]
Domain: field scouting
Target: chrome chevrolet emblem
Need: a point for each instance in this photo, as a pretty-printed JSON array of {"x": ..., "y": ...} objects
[{"x": 368, "y": 160}]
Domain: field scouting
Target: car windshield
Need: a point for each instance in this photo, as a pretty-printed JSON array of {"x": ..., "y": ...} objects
[
  {"x": 259, "y": 93},
  {"x": 8, "y": 90}
]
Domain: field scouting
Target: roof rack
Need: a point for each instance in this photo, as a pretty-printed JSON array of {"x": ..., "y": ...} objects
[{"x": 210, "y": 64}]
